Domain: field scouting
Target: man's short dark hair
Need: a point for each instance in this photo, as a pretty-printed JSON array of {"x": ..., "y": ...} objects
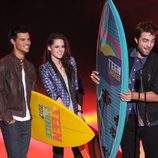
[
  {"x": 145, "y": 26},
  {"x": 17, "y": 29}
]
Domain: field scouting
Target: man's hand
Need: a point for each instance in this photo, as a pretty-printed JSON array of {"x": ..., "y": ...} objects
[
  {"x": 129, "y": 96},
  {"x": 95, "y": 77},
  {"x": 12, "y": 122}
]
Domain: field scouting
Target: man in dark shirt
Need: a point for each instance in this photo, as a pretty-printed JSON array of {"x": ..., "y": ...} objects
[{"x": 142, "y": 98}]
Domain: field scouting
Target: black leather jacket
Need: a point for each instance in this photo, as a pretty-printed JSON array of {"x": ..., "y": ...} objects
[
  {"x": 149, "y": 75},
  {"x": 12, "y": 100}
]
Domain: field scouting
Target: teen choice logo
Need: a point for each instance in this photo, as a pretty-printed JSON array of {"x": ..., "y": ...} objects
[{"x": 110, "y": 69}]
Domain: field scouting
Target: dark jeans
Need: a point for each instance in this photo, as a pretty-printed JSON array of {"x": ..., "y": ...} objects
[
  {"x": 132, "y": 135},
  {"x": 17, "y": 138},
  {"x": 58, "y": 152}
]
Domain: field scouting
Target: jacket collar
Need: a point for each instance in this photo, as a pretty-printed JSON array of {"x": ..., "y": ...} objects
[{"x": 16, "y": 59}]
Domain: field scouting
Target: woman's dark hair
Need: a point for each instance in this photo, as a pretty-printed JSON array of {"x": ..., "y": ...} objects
[
  {"x": 67, "y": 54},
  {"x": 146, "y": 26}
]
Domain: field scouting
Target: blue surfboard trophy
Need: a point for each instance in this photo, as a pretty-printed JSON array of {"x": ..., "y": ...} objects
[{"x": 112, "y": 65}]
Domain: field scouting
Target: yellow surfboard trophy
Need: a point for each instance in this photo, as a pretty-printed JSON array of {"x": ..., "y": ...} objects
[{"x": 54, "y": 124}]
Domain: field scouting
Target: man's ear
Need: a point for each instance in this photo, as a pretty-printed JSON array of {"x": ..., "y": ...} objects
[
  {"x": 12, "y": 41},
  {"x": 49, "y": 48},
  {"x": 136, "y": 40}
]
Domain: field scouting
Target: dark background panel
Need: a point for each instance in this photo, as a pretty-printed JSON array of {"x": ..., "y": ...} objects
[{"x": 76, "y": 19}]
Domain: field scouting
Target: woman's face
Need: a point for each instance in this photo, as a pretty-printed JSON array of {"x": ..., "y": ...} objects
[{"x": 57, "y": 49}]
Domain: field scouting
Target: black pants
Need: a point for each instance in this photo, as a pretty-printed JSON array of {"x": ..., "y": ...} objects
[
  {"x": 132, "y": 135},
  {"x": 130, "y": 139},
  {"x": 58, "y": 152},
  {"x": 149, "y": 137}
]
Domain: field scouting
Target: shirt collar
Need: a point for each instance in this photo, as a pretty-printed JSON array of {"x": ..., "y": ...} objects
[{"x": 133, "y": 54}]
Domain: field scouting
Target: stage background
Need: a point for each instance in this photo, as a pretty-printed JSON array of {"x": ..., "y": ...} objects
[{"x": 79, "y": 21}]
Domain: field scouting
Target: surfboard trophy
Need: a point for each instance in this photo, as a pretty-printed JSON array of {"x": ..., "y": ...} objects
[
  {"x": 112, "y": 65},
  {"x": 54, "y": 124}
]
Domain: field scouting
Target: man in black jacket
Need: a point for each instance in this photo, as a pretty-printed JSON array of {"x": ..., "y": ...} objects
[
  {"x": 142, "y": 98},
  {"x": 17, "y": 79}
]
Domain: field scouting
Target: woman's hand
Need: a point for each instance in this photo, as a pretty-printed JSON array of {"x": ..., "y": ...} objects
[{"x": 79, "y": 113}]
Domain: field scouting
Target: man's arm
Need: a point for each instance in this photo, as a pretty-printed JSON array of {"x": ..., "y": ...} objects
[
  {"x": 4, "y": 112},
  {"x": 139, "y": 96}
]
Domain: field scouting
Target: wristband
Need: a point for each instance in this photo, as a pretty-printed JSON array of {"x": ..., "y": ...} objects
[
  {"x": 145, "y": 96},
  {"x": 138, "y": 96},
  {"x": 80, "y": 111}
]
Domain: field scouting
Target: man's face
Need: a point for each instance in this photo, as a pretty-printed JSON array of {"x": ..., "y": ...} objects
[
  {"x": 145, "y": 44},
  {"x": 22, "y": 43}
]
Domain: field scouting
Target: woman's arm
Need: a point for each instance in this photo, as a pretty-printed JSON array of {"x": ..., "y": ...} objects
[{"x": 48, "y": 83}]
